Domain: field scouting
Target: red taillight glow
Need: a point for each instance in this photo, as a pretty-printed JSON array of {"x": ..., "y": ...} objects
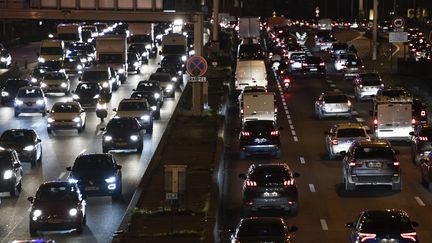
[
  {"x": 423, "y": 113},
  {"x": 289, "y": 182},
  {"x": 375, "y": 121},
  {"x": 250, "y": 183},
  {"x": 396, "y": 163},
  {"x": 413, "y": 121},
  {"x": 334, "y": 141},
  {"x": 291, "y": 61},
  {"x": 286, "y": 80},
  {"x": 423, "y": 139},
  {"x": 355, "y": 164},
  {"x": 304, "y": 64},
  {"x": 274, "y": 133},
  {"x": 412, "y": 236},
  {"x": 322, "y": 64},
  {"x": 366, "y": 236},
  {"x": 245, "y": 134}
]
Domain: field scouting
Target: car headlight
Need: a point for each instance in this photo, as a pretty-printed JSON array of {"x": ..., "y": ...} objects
[
  {"x": 107, "y": 138},
  {"x": 83, "y": 60},
  {"x": 174, "y": 79},
  {"x": 37, "y": 213},
  {"x": 136, "y": 64},
  {"x": 121, "y": 71},
  {"x": 41, "y": 59},
  {"x": 68, "y": 52},
  {"x": 75, "y": 97},
  {"x": 63, "y": 85},
  {"x": 43, "y": 85},
  {"x": 157, "y": 95},
  {"x": 76, "y": 119},
  {"x": 184, "y": 58},
  {"x": 79, "y": 66},
  {"x": 73, "y": 212},
  {"x": 29, "y": 148},
  {"x": 40, "y": 102},
  {"x": 111, "y": 179},
  {"x": 3, "y": 59},
  {"x": 96, "y": 96},
  {"x": 18, "y": 102},
  {"x": 145, "y": 117},
  {"x": 153, "y": 107},
  {"x": 4, "y": 94},
  {"x": 191, "y": 53},
  {"x": 148, "y": 46},
  {"x": 102, "y": 106},
  {"x": 169, "y": 87},
  {"x": 33, "y": 80},
  {"x": 72, "y": 180},
  {"x": 134, "y": 137},
  {"x": 1, "y": 148},
  {"x": 105, "y": 85},
  {"x": 7, "y": 174},
  {"x": 49, "y": 120}
]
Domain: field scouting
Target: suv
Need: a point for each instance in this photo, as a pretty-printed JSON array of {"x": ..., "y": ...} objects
[
  {"x": 5, "y": 59},
  {"x": 371, "y": 163},
  {"x": 103, "y": 76},
  {"x": 260, "y": 136},
  {"x": 11, "y": 169},
  {"x": 366, "y": 85},
  {"x": 151, "y": 86},
  {"x": 341, "y": 136},
  {"x": 30, "y": 99},
  {"x": 136, "y": 108},
  {"x": 421, "y": 143},
  {"x": 270, "y": 186}
]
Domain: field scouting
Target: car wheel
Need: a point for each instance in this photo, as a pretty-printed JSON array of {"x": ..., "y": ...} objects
[
  {"x": 294, "y": 210},
  {"x": 79, "y": 229},
  {"x": 349, "y": 186},
  {"x": 150, "y": 129},
  {"x": 396, "y": 186},
  {"x": 19, "y": 186},
  {"x": 67, "y": 92},
  {"x": 80, "y": 130}
]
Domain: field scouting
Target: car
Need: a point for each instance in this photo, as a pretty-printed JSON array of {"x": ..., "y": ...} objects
[
  {"x": 270, "y": 186},
  {"x": 57, "y": 205},
  {"x": 102, "y": 76},
  {"x": 313, "y": 65},
  {"x": 55, "y": 82},
  {"x": 170, "y": 70},
  {"x": 73, "y": 65},
  {"x": 263, "y": 229},
  {"x": 88, "y": 93},
  {"x": 10, "y": 89},
  {"x": 166, "y": 83},
  {"x": 134, "y": 62},
  {"x": 260, "y": 137},
  {"x": 320, "y": 34},
  {"x": 136, "y": 108},
  {"x": 30, "y": 99},
  {"x": 353, "y": 67},
  {"x": 366, "y": 85},
  {"x": 5, "y": 59},
  {"x": 340, "y": 137},
  {"x": 122, "y": 133},
  {"x": 250, "y": 89},
  {"x": 154, "y": 104},
  {"x": 393, "y": 93},
  {"x": 11, "y": 169},
  {"x": 151, "y": 86},
  {"x": 337, "y": 49},
  {"x": 25, "y": 142},
  {"x": 371, "y": 163},
  {"x": 419, "y": 110},
  {"x": 175, "y": 62},
  {"x": 340, "y": 61},
  {"x": 140, "y": 50},
  {"x": 86, "y": 52},
  {"x": 421, "y": 143},
  {"x": 295, "y": 60},
  {"x": 37, "y": 74},
  {"x": 333, "y": 104},
  {"x": 97, "y": 175},
  {"x": 66, "y": 115},
  {"x": 326, "y": 43},
  {"x": 388, "y": 225}
]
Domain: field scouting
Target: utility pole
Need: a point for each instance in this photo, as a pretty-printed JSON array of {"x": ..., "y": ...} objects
[
  {"x": 361, "y": 13},
  {"x": 375, "y": 27}
]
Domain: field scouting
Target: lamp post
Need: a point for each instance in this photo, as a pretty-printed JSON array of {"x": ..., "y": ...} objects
[{"x": 375, "y": 27}]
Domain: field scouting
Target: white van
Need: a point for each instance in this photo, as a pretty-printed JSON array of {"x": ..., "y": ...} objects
[
  {"x": 51, "y": 50},
  {"x": 250, "y": 73},
  {"x": 258, "y": 106}
]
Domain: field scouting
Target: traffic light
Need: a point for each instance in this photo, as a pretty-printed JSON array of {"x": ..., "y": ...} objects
[{"x": 410, "y": 13}]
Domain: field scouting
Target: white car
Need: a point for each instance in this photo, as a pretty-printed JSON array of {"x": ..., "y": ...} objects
[
  {"x": 136, "y": 108},
  {"x": 340, "y": 61},
  {"x": 296, "y": 59},
  {"x": 55, "y": 82},
  {"x": 366, "y": 85},
  {"x": 333, "y": 104},
  {"x": 30, "y": 99},
  {"x": 66, "y": 115},
  {"x": 340, "y": 137}
]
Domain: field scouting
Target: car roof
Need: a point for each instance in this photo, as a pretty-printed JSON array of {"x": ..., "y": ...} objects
[
  {"x": 132, "y": 100},
  {"x": 262, "y": 220},
  {"x": 349, "y": 125},
  {"x": 333, "y": 93},
  {"x": 374, "y": 143}
]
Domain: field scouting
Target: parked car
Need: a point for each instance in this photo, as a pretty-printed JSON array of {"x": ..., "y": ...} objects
[{"x": 25, "y": 142}]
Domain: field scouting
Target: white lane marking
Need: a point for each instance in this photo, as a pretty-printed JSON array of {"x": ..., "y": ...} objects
[
  {"x": 292, "y": 127},
  {"x": 323, "y": 224},
  {"x": 355, "y": 113},
  {"x": 312, "y": 187},
  {"x": 359, "y": 119},
  {"x": 82, "y": 151},
  {"x": 336, "y": 90},
  {"x": 302, "y": 161},
  {"x": 61, "y": 175},
  {"x": 289, "y": 121},
  {"x": 295, "y": 139},
  {"x": 332, "y": 85},
  {"x": 329, "y": 81},
  {"x": 285, "y": 106},
  {"x": 283, "y": 102},
  {"x": 289, "y": 116},
  {"x": 293, "y": 132},
  {"x": 99, "y": 133},
  {"x": 419, "y": 201}
]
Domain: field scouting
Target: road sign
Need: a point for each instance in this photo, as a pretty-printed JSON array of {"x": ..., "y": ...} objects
[
  {"x": 171, "y": 196},
  {"x": 398, "y": 37},
  {"x": 197, "y": 79},
  {"x": 196, "y": 66},
  {"x": 398, "y": 22}
]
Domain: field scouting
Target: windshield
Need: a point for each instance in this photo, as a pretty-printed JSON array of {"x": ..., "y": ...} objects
[
  {"x": 336, "y": 99},
  {"x": 132, "y": 57},
  {"x": 97, "y": 75},
  {"x": 65, "y": 108},
  {"x": 56, "y": 193},
  {"x": 88, "y": 87},
  {"x": 30, "y": 92},
  {"x": 385, "y": 222},
  {"x": 55, "y": 76},
  {"x": 393, "y": 93},
  {"x": 351, "y": 133},
  {"x": 39, "y": 72},
  {"x": 371, "y": 82},
  {"x": 51, "y": 51},
  {"x": 110, "y": 58},
  {"x": 162, "y": 77},
  {"x": 122, "y": 125},
  {"x": 132, "y": 106},
  {"x": 86, "y": 163},
  {"x": 264, "y": 175},
  {"x": 261, "y": 229},
  {"x": 373, "y": 153},
  {"x": 250, "y": 52},
  {"x": 18, "y": 136}
]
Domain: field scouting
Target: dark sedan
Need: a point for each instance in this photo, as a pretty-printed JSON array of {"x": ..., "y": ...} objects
[
  {"x": 10, "y": 89},
  {"x": 88, "y": 93},
  {"x": 122, "y": 133},
  {"x": 97, "y": 175},
  {"x": 25, "y": 141},
  {"x": 152, "y": 101},
  {"x": 313, "y": 65}
]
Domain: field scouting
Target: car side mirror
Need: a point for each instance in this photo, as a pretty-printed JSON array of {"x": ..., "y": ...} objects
[
  {"x": 397, "y": 152},
  {"x": 349, "y": 225},
  {"x": 69, "y": 168},
  {"x": 295, "y": 174},
  {"x": 30, "y": 199},
  {"x": 411, "y": 133},
  {"x": 293, "y": 229},
  {"x": 118, "y": 167},
  {"x": 16, "y": 165},
  {"x": 242, "y": 176},
  {"x": 370, "y": 112},
  {"x": 414, "y": 224}
]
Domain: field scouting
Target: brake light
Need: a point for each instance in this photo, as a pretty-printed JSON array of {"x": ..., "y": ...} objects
[
  {"x": 304, "y": 64},
  {"x": 322, "y": 64},
  {"x": 291, "y": 61},
  {"x": 375, "y": 121},
  {"x": 418, "y": 53},
  {"x": 423, "y": 138},
  {"x": 245, "y": 134},
  {"x": 413, "y": 121},
  {"x": 274, "y": 133},
  {"x": 334, "y": 141},
  {"x": 396, "y": 163},
  {"x": 286, "y": 80},
  {"x": 361, "y": 86},
  {"x": 280, "y": 31},
  {"x": 289, "y": 182},
  {"x": 363, "y": 66},
  {"x": 349, "y": 103},
  {"x": 412, "y": 236},
  {"x": 241, "y": 111},
  {"x": 355, "y": 164},
  {"x": 366, "y": 236},
  {"x": 423, "y": 113},
  {"x": 250, "y": 183},
  {"x": 322, "y": 43}
]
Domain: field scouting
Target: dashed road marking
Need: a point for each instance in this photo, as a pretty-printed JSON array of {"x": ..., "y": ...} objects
[
  {"x": 354, "y": 112},
  {"x": 293, "y": 133},
  {"x": 292, "y": 127},
  {"x": 312, "y": 188},
  {"x": 419, "y": 201},
  {"x": 289, "y": 116},
  {"x": 302, "y": 161},
  {"x": 289, "y": 121},
  {"x": 295, "y": 138},
  {"x": 332, "y": 85},
  {"x": 359, "y": 119},
  {"x": 336, "y": 90},
  {"x": 324, "y": 225}
]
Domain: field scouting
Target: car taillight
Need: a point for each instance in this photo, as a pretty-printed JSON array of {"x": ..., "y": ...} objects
[
  {"x": 289, "y": 182},
  {"x": 413, "y": 121},
  {"x": 245, "y": 134},
  {"x": 363, "y": 66},
  {"x": 375, "y": 121},
  {"x": 304, "y": 64},
  {"x": 322, "y": 43},
  {"x": 322, "y": 64},
  {"x": 412, "y": 236},
  {"x": 286, "y": 80},
  {"x": 361, "y": 86},
  {"x": 423, "y": 113},
  {"x": 250, "y": 183},
  {"x": 366, "y": 236},
  {"x": 396, "y": 163},
  {"x": 349, "y": 103},
  {"x": 334, "y": 141},
  {"x": 423, "y": 138},
  {"x": 418, "y": 53},
  {"x": 274, "y": 133},
  {"x": 355, "y": 164},
  {"x": 291, "y": 61}
]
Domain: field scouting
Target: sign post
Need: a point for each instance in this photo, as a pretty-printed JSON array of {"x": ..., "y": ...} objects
[
  {"x": 397, "y": 36},
  {"x": 196, "y": 67},
  {"x": 175, "y": 184}
]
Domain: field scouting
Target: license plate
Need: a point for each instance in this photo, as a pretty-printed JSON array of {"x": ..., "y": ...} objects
[
  {"x": 91, "y": 188},
  {"x": 374, "y": 164},
  {"x": 55, "y": 221},
  {"x": 260, "y": 140},
  {"x": 314, "y": 69},
  {"x": 270, "y": 194},
  {"x": 121, "y": 144}
]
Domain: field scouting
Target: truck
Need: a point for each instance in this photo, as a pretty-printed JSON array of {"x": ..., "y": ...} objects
[
  {"x": 69, "y": 33},
  {"x": 258, "y": 106},
  {"x": 250, "y": 73},
  {"x": 111, "y": 50},
  {"x": 393, "y": 120},
  {"x": 174, "y": 44},
  {"x": 142, "y": 36},
  {"x": 249, "y": 27},
  {"x": 51, "y": 50}
]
